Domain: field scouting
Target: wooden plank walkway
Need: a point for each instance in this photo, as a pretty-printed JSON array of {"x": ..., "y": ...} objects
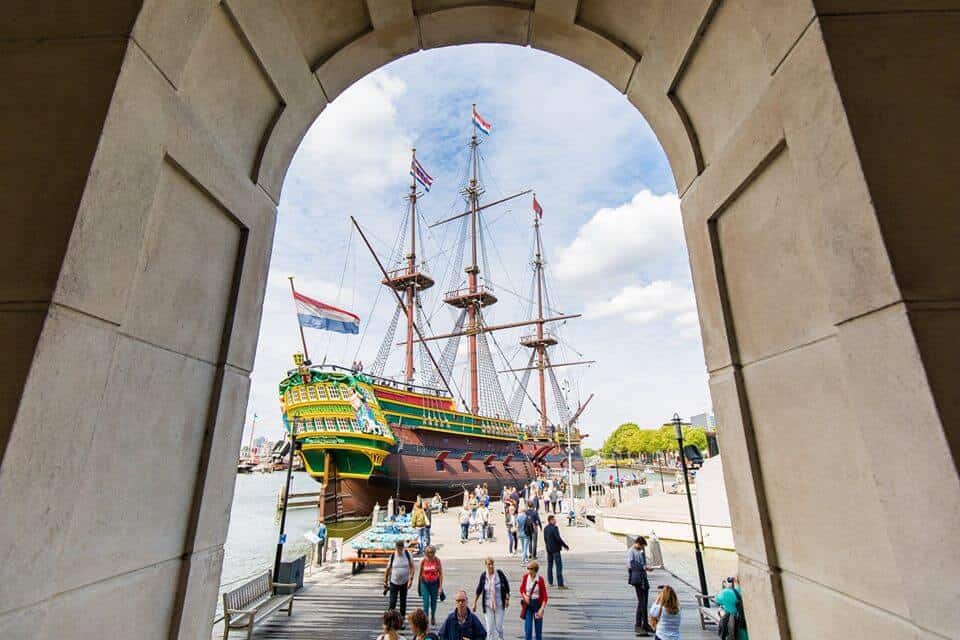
[{"x": 599, "y": 603}]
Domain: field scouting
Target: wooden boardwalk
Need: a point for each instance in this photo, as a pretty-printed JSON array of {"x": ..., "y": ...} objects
[{"x": 599, "y": 603}]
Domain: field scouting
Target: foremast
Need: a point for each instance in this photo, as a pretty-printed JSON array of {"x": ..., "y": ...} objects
[{"x": 409, "y": 281}]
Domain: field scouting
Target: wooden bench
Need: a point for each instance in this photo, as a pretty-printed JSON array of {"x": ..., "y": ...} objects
[
  {"x": 253, "y": 602},
  {"x": 708, "y": 615},
  {"x": 359, "y": 562}
]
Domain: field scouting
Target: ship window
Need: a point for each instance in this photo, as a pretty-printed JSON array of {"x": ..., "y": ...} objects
[
  {"x": 343, "y": 424},
  {"x": 334, "y": 392},
  {"x": 312, "y": 393},
  {"x": 322, "y": 391}
]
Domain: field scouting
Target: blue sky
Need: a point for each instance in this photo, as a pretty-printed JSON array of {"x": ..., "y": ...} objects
[{"x": 611, "y": 230}]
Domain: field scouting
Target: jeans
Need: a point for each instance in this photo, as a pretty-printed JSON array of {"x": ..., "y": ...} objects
[
  {"x": 533, "y": 543},
  {"x": 427, "y": 529},
  {"x": 423, "y": 539},
  {"x": 494, "y": 621},
  {"x": 532, "y": 623},
  {"x": 430, "y": 595},
  {"x": 554, "y": 558},
  {"x": 641, "y": 618},
  {"x": 464, "y": 531},
  {"x": 401, "y": 591},
  {"x": 525, "y": 546},
  {"x": 512, "y": 542}
]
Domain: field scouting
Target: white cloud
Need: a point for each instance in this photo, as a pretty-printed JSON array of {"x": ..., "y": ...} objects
[
  {"x": 639, "y": 232},
  {"x": 650, "y": 303},
  {"x": 359, "y": 140}
]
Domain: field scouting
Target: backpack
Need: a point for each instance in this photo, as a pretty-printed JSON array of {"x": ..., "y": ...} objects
[
  {"x": 529, "y": 527},
  {"x": 731, "y": 623}
]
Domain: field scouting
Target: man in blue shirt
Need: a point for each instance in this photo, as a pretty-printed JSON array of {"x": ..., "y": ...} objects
[{"x": 462, "y": 623}]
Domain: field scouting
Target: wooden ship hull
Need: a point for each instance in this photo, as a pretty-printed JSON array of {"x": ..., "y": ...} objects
[{"x": 367, "y": 439}]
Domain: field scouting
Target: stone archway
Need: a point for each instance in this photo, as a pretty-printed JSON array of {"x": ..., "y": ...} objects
[{"x": 145, "y": 148}]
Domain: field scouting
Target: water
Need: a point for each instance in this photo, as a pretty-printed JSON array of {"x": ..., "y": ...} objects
[{"x": 255, "y": 525}]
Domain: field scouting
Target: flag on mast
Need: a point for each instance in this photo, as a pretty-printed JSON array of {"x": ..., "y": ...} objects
[
  {"x": 537, "y": 209},
  {"x": 481, "y": 124},
  {"x": 319, "y": 315},
  {"x": 420, "y": 174}
]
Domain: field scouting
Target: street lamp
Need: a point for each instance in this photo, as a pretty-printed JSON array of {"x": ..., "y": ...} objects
[
  {"x": 616, "y": 464},
  {"x": 294, "y": 445},
  {"x": 678, "y": 430}
]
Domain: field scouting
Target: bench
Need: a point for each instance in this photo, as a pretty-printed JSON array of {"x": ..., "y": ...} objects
[
  {"x": 359, "y": 562},
  {"x": 708, "y": 614},
  {"x": 253, "y": 602}
]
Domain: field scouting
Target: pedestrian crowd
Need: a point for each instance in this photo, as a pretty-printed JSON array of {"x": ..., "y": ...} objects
[{"x": 524, "y": 527}]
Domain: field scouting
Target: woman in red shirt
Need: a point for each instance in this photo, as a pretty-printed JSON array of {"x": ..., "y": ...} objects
[
  {"x": 533, "y": 594},
  {"x": 431, "y": 582}
]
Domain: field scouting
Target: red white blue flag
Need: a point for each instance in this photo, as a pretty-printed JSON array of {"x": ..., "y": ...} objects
[
  {"x": 420, "y": 174},
  {"x": 318, "y": 315},
  {"x": 480, "y": 123}
]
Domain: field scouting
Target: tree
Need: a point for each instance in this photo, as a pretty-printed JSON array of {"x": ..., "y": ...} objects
[
  {"x": 589, "y": 453},
  {"x": 621, "y": 439}
]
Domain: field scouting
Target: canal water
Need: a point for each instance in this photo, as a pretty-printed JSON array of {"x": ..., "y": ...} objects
[{"x": 254, "y": 527}]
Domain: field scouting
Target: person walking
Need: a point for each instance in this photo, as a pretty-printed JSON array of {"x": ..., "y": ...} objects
[
  {"x": 418, "y": 520},
  {"x": 510, "y": 524},
  {"x": 554, "y": 544},
  {"x": 398, "y": 578},
  {"x": 533, "y": 593},
  {"x": 464, "y": 525},
  {"x": 391, "y": 624},
  {"x": 494, "y": 590},
  {"x": 665, "y": 615},
  {"x": 733, "y": 623},
  {"x": 524, "y": 528},
  {"x": 430, "y": 582},
  {"x": 637, "y": 577},
  {"x": 418, "y": 626},
  {"x": 462, "y": 624},
  {"x": 533, "y": 515},
  {"x": 483, "y": 521}
]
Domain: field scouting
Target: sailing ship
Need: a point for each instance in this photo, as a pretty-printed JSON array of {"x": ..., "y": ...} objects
[{"x": 368, "y": 437}]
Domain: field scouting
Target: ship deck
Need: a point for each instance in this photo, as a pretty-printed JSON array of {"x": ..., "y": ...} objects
[{"x": 337, "y": 605}]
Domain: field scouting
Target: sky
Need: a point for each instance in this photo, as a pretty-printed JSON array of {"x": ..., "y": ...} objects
[{"x": 611, "y": 228}]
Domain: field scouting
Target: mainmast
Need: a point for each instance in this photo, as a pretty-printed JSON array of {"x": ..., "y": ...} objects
[
  {"x": 409, "y": 280},
  {"x": 540, "y": 341},
  {"x": 476, "y": 296}
]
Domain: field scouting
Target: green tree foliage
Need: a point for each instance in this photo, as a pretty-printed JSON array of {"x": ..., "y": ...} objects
[
  {"x": 588, "y": 452},
  {"x": 630, "y": 439}
]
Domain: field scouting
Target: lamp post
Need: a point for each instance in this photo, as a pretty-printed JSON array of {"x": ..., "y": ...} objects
[
  {"x": 678, "y": 430},
  {"x": 286, "y": 498},
  {"x": 616, "y": 464},
  {"x": 663, "y": 488}
]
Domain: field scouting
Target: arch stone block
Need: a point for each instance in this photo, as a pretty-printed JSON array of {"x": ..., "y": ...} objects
[{"x": 811, "y": 143}]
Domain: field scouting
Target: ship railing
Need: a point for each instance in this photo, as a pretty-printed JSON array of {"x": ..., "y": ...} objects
[{"x": 481, "y": 288}]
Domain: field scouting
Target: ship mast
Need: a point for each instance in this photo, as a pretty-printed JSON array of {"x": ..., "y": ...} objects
[
  {"x": 541, "y": 344},
  {"x": 541, "y": 341},
  {"x": 409, "y": 281}
]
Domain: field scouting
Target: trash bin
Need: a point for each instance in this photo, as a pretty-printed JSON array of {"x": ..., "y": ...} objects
[{"x": 291, "y": 573}]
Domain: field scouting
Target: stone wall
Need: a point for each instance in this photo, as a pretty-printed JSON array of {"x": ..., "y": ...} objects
[{"x": 146, "y": 145}]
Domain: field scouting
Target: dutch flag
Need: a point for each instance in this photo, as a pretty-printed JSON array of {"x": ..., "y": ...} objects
[
  {"x": 480, "y": 123},
  {"x": 420, "y": 174},
  {"x": 318, "y": 315}
]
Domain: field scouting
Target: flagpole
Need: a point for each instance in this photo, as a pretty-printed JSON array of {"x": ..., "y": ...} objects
[{"x": 303, "y": 339}]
